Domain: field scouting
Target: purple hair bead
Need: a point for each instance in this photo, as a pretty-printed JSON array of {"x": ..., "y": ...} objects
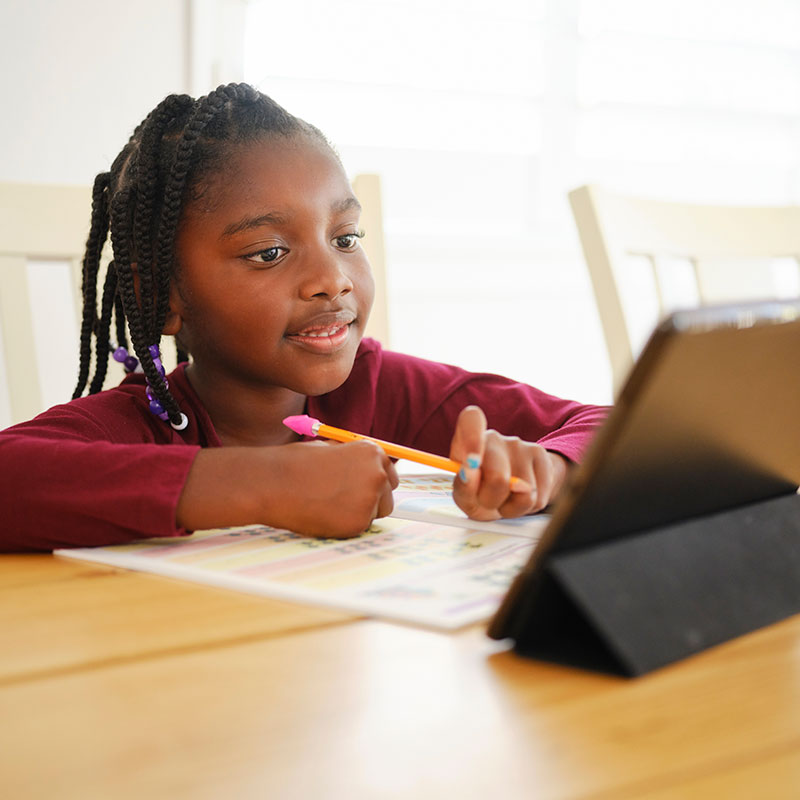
[
  {"x": 155, "y": 406},
  {"x": 130, "y": 363},
  {"x": 155, "y": 354}
]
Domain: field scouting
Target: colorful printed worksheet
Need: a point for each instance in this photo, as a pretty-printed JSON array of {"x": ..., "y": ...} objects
[
  {"x": 430, "y": 498},
  {"x": 414, "y": 570}
]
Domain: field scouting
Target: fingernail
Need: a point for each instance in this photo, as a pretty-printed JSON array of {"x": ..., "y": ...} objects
[
  {"x": 471, "y": 463},
  {"x": 521, "y": 486}
]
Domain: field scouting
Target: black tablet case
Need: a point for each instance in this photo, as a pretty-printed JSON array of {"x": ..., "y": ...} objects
[{"x": 682, "y": 527}]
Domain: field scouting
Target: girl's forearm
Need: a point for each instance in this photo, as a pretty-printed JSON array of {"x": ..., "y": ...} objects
[
  {"x": 310, "y": 487},
  {"x": 219, "y": 489}
]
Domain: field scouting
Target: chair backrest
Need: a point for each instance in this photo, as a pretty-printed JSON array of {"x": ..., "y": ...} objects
[
  {"x": 725, "y": 252},
  {"x": 43, "y": 231},
  {"x": 42, "y": 236},
  {"x": 367, "y": 188}
]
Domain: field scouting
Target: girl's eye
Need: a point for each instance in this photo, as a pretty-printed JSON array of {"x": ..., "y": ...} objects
[
  {"x": 349, "y": 241},
  {"x": 267, "y": 256}
]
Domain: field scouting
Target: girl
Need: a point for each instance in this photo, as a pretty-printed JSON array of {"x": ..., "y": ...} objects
[{"x": 235, "y": 230}]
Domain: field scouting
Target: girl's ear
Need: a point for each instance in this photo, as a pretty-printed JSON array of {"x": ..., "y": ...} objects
[{"x": 173, "y": 322}]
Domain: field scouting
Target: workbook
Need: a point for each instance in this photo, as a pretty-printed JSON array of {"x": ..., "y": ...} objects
[{"x": 425, "y": 564}]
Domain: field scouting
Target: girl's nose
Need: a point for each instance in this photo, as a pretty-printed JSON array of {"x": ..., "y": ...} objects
[{"x": 325, "y": 275}]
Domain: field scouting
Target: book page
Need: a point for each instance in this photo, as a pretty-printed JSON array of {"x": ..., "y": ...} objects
[
  {"x": 439, "y": 576},
  {"x": 429, "y": 497}
]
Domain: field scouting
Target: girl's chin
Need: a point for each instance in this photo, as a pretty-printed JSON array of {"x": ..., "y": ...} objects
[{"x": 325, "y": 378}]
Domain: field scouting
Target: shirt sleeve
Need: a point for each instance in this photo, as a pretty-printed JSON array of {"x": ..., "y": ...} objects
[
  {"x": 416, "y": 402},
  {"x": 65, "y": 483},
  {"x": 513, "y": 409}
]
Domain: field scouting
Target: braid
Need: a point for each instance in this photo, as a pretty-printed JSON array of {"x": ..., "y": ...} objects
[
  {"x": 121, "y": 240},
  {"x": 139, "y": 205},
  {"x": 152, "y": 131},
  {"x": 165, "y": 244},
  {"x": 102, "y": 329},
  {"x": 119, "y": 319},
  {"x": 98, "y": 233},
  {"x": 206, "y": 109}
]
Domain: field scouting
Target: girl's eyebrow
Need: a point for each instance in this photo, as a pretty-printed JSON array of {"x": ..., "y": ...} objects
[
  {"x": 276, "y": 218},
  {"x": 248, "y": 223},
  {"x": 346, "y": 204}
]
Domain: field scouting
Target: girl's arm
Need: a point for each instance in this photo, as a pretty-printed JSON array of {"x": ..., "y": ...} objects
[
  {"x": 317, "y": 488},
  {"x": 57, "y": 491},
  {"x": 61, "y": 490}
]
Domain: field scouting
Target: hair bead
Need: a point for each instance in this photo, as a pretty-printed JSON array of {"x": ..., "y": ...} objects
[{"x": 182, "y": 424}]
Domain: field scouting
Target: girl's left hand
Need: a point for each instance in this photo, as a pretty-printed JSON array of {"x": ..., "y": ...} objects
[{"x": 483, "y": 489}]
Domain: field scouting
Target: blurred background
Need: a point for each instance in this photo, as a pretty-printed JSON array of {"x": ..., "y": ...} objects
[{"x": 479, "y": 117}]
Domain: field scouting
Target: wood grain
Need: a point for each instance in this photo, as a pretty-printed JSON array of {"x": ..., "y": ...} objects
[
  {"x": 58, "y": 615},
  {"x": 372, "y": 710}
]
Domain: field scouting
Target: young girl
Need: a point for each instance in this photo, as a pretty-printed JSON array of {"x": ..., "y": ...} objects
[{"x": 235, "y": 230}]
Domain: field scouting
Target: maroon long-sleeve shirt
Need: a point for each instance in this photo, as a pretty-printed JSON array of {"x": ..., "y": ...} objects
[{"x": 103, "y": 470}]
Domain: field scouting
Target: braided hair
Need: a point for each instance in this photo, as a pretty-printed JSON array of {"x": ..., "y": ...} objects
[{"x": 138, "y": 206}]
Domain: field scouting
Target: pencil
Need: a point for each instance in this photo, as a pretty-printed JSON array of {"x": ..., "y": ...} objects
[{"x": 308, "y": 426}]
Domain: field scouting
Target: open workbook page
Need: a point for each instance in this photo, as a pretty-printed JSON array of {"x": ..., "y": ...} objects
[{"x": 426, "y": 564}]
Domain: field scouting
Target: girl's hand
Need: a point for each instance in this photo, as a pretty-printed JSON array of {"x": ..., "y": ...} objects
[
  {"x": 315, "y": 488},
  {"x": 333, "y": 490},
  {"x": 483, "y": 490}
]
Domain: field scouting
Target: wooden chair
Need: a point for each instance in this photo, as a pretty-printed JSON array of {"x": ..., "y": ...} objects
[
  {"x": 727, "y": 252},
  {"x": 46, "y": 226},
  {"x": 367, "y": 188}
]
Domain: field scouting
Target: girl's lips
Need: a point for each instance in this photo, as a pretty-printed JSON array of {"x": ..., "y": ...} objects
[
  {"x": 319, "y": 339},
  {"x": 323, "y": 324}
]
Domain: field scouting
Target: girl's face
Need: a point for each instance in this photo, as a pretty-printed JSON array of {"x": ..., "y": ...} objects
[{"x": 273, "y": 288}]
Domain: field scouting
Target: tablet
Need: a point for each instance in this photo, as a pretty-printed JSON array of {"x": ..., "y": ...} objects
[{"x": 708, "y": 420}]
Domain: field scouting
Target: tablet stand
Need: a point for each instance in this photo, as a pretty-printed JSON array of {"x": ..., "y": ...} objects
[{"x": 638, "y": 602}]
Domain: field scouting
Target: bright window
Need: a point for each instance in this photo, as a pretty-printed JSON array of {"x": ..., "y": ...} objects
[{"x": 481, "y": 116}]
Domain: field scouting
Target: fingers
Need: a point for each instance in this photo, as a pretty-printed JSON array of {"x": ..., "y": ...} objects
[
  {"x": 551, "y": 472},
  {"x": 469, "y": 436},
  {"x": 486, "y": 490},
  {"x": 391, "y": 473},
  {"x": 483, "y": 489},
  {"x": 544, "y": 473},
  {"x": 467, "y": 447},
  {"x": 386, "y": 498},
  {"x": 352, "y": 485},
  {"x": 506, "y": 457},
  {"x": 385, "y": 503}
]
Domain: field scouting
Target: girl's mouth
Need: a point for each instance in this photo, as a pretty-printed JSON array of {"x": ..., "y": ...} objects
[{"x": 326, "y": 339}]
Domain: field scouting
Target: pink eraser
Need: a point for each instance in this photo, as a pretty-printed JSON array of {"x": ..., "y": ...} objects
[{"x": 302, "y": 424}]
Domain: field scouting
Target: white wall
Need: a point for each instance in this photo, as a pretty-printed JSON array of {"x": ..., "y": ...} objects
[{"x": 78, "y": 76}]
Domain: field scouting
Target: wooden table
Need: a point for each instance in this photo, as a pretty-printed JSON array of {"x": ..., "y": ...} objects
[{"x": 116, "y": 684}]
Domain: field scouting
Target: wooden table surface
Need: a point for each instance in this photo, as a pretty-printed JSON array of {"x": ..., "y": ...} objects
[{"x": 116, "y": 684}]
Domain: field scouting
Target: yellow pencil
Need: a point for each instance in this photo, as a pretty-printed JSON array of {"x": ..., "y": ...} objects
[{"x": 308, "y": 426}]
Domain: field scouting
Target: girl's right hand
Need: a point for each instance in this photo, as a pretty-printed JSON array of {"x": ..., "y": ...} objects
[
  {"x": 333, "y": 489},
  {"x": 316, "y": 488}
]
